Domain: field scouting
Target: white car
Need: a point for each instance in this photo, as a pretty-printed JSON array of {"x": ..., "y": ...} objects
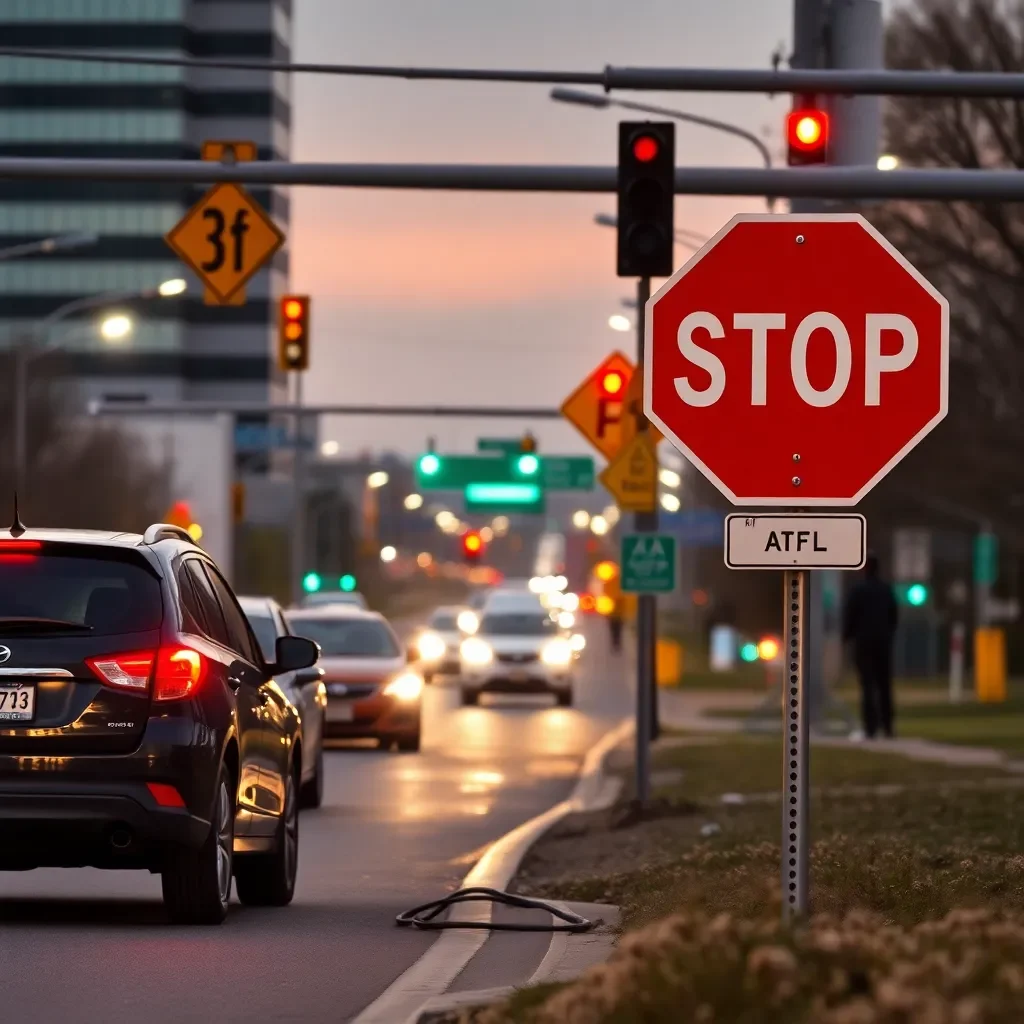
[{"x": 518, "y": 648}]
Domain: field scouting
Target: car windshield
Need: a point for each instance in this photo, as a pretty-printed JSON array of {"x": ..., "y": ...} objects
[
  {"x": 447, "y": 622},
  {"x": 98, "y": 596},
  {"x": 347, "y": 638},
  {"x": 266, "y": 633},
  {"x": 518, "y": 624}
]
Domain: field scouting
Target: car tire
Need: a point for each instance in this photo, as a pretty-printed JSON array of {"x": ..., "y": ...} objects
[
  {"x": 563, "y": 698},
  {"x": 312, "y": 794},
  {"x": 470, "y": 698},
  {"x": 268, "y": 879},
  {"x": 408, "y": 744},
  {"x": 197, "y": 883}
]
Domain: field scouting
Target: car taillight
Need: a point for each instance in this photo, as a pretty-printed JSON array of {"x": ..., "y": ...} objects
[
  {"x": 176, "y": 672},
  {"x": 124, "y": 671},
  {"x": 165, "y": 795},
  {"x": 179, "y": 671}
]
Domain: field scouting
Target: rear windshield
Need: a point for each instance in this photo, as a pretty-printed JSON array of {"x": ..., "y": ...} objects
[
  {"x": 107, "y": 596},
  {"x": 518, "y": 624},
  {"x": 352, "y": 638},
  {"x": 447, "y": 621},
  {"x": 266, "y": 635}
]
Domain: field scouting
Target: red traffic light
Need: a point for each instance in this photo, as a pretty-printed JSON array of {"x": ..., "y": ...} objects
[
  {"x": 472, "y": 544},
  {"x": 612, "y": 382},
  {"x": 807, "y": 131},
  {"x": 645, "y": 148}
]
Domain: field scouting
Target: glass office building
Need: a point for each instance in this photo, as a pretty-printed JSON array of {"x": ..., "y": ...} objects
[{"x": 180, "y": 349}]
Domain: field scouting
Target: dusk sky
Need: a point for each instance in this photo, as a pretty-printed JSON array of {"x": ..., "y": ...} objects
[{"x": 490, "y": 298}]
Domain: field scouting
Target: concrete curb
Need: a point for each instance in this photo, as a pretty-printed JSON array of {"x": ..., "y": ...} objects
[{"x": 430, "y": 976}]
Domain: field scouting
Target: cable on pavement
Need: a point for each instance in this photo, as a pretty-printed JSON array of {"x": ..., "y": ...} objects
[{"x": 425, "y": 915}]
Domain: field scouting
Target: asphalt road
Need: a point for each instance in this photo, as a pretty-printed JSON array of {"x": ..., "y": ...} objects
[{"x": 92, "y": 947}]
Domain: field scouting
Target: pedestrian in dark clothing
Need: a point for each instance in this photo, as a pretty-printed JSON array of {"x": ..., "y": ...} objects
[
  {"x": 869, "y": 622},
  {"x": 615, "y": 630}
]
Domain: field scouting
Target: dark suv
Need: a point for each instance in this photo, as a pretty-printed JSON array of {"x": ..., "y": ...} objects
[{"x": 140, "y": 726}]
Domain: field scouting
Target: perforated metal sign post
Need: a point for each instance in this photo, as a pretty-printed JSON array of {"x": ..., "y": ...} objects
[{"x": 795, "y": 749}]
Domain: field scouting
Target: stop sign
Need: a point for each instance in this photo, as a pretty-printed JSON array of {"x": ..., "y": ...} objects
[{"x": 796, "y": 359}]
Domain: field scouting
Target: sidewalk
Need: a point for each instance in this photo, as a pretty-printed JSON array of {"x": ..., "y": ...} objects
[{"x": 691, "y": 711}]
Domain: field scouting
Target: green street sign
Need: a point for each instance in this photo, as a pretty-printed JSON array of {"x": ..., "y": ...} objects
[
  {"x": 568, "y": 472},
  {"x": 437, "y": 472},
  {"x": 648, "y": 563},
  {"x": 504, "y": 498},
  {"x": 986, "y": 558}
]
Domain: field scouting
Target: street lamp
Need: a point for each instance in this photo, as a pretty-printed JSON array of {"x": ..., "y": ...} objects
[
  {"x": 113, "y": 328},
  {"x": 377, "y": 480},
  {"x": 600, "y": 102},
  {"x": 618, "y": 322},
  {"x": 58, "y": 243},
  {"x": 888, "y": 162}
]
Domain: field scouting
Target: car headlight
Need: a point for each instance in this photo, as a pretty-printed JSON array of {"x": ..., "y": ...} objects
[
  {"x": 577, "y": 642},
  {"x": 475, "y": 652},
  {"x": 557, "y": 654},
  {"x": 566, "y": 620},
  {"x": 431, "y": 647},
  {"x": 468, "y": 622},
  {"x": 407, "y": 686}
]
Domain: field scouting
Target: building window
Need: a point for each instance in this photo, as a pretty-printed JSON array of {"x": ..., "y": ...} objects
[
  {"x": 101, "y": 219},
  {"x": 91, "y": 10},
  {"x": 90, "y": 126},
  {"x": 14, "y": 70},
  {"x": 82, "y": 277}
]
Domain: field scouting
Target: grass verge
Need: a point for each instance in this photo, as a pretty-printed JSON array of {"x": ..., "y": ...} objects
[{"x": 916, "y": 875}]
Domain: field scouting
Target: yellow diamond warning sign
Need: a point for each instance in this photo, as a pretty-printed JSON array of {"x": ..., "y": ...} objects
[
  {"x": 596, "y": 407},
  {"x": 225, "y": 238},
  {"x": 632, "y": 476}
]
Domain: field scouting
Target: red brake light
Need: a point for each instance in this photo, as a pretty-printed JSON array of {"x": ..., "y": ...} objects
[
  {"x": 124, "y": 671},
  {"x": 645, "y": 149},
  {"x": 179, "y": 671},
  {"x": 176, "y": 672},
  {"x": 18, "y": 552},
  {"x": 165, "y": 795}
]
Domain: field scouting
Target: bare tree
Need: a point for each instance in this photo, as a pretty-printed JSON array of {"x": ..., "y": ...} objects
[
  {"x": 972, "y": 252},
  {"x": 80, "y": 473}
]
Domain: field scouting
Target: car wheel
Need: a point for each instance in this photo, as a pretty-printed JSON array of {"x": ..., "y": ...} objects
[
  {"x": 197, "y": 883},
  {"x": 470, "y": 697},
  {"x": 312, "y": 795},
  {"x": 268, "y": 879},
  {"x": 564, "y": 698},
  {"x": 408, "y": 744}
]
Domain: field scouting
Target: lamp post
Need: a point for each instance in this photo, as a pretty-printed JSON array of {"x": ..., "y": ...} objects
[
  {"x": 25, "y": 354},
  {"x": 57, "y": 243}
]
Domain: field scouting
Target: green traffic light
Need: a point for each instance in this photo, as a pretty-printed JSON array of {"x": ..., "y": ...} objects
[
  {"x": 347, "y": 582},
  {"x": 749, "y": 652},
  {"x": 917, "y": 594},
  {"x": 528, "y": 464},
  {"x": 311, "y": 582},
  {"x": 430, "y": 464}
]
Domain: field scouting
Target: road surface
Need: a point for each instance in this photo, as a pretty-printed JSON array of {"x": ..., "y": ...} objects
[{"x": 92, "y": 947}]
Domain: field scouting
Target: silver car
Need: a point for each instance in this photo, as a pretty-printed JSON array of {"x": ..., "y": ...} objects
[{"x": 304, "y": 688}]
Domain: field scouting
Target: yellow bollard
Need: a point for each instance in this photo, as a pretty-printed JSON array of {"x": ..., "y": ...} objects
[
  {"x": 990, "y": 665},
  {"x": 669, "y": 663}
]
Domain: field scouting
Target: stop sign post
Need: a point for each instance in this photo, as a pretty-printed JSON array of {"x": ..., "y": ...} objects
[{"x": 795, "y": 360}]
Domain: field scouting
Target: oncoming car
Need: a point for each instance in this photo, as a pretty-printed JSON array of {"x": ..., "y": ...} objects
[
  {"x": 140, "y": 724},
  {"x": 517, "y": 649},
  {"x": 372, "y": 693},
  {"x": 437, "y": 645}
]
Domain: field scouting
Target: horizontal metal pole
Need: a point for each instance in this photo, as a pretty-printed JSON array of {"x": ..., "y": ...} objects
[
  {"x": 98, "y": 408},
  {"x": 817, "y": 182},
  {"x": 976, "y": 84}
]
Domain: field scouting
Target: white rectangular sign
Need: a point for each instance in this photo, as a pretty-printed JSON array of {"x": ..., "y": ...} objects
[{"x": 795, "y": 541}]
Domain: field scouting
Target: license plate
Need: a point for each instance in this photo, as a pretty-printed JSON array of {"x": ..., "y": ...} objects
[
  {"x": 17, "y": 703},
  {"x": 338, "y": 712}
]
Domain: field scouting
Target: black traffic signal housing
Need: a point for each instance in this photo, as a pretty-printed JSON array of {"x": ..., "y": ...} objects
[
  {"x": 807, "y": 131},
  {"x": 472, "y": 546},
  {"x": 528, "y": 445},
  {"x": 293, "y": 333},
  {"x": 646, "y": 186}
]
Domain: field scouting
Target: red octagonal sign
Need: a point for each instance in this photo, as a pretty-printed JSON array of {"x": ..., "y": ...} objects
[{"x": 796, "y": 359}]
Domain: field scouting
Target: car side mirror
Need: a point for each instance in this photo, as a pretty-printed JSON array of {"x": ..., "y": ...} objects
[{"x": 294, "y": 653}]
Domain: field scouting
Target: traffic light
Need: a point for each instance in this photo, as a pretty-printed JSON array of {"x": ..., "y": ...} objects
[
  {"x": 807, "y": 135},
  {"x": 311, "y": 582},
  {"x": 606, "y": 571},
  {"x": 914, "y": 594},
  {"x": 528, "y": 443},
  {"x": 472, "y": 545},
  {"x": 646, "y": 186},
  {"x": 179, "y": 514},
  {"x": 293, "y": 333},
  {"x": 347, "y": 583},
  {"x": 429, "y": 464},
  {"x": 612, "y": 384}
]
